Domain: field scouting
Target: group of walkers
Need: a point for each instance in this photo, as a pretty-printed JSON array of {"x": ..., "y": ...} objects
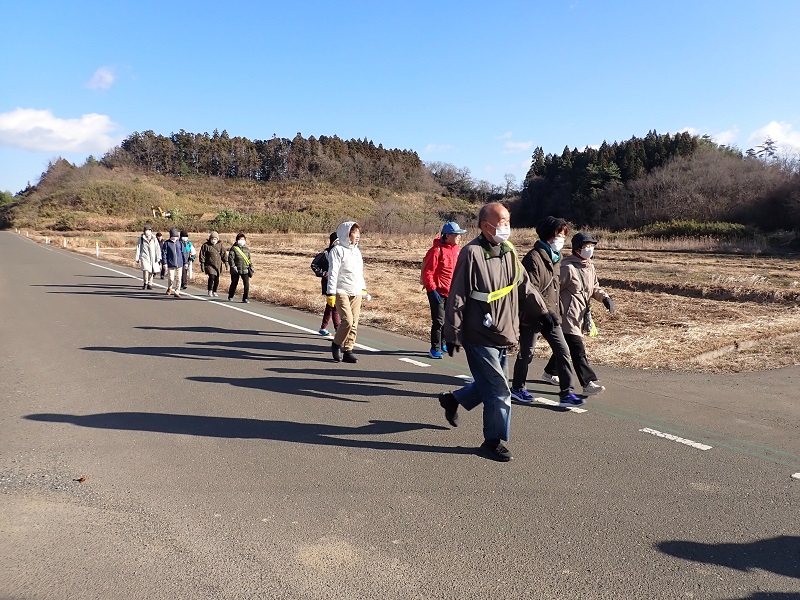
[
  {"x": 173, "y": 259},
  {"x": 482, "y": 297},
  {"x": 495, "y": 302}
]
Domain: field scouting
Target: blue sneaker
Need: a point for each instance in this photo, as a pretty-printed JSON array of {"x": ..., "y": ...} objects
[
  {"x": 444, "y": 347},
  {"x": 570, "y": 400},
  {"x": 324, "y": 332},
  {"x": 434, "y": 353},
  {"x": 522, "y": 395}
]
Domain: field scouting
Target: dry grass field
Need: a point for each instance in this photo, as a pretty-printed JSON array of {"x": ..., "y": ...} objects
[{"x": 680, "y": 309}]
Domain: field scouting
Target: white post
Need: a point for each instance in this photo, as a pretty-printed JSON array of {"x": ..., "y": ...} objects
[
  {"x": 46, "y": 240},
  {"x": 64, "y": 242},
  {"x": 97, "y": 248},
  {"x": 26, "y": 234}
]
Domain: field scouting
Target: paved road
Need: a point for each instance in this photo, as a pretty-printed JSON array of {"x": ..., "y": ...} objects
[{"x": 225, "y": 456}]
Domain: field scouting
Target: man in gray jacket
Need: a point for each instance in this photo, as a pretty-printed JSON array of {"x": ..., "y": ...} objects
[{"x": 488, "y": 290}]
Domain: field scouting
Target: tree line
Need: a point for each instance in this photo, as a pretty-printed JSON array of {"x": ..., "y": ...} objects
[
  {"x": 659, "y": 178},
  {"x": 330, "y": 159}
]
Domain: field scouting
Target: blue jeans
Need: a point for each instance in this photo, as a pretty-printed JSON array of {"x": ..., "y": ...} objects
[{"x": 490, "y": 387}]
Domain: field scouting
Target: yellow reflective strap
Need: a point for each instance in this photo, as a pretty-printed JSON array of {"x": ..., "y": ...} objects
[{"x": 501, "y": 293}]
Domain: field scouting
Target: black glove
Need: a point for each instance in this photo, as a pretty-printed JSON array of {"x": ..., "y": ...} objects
[
  {"x": 548, "y": 321},
  {"x": 452, "y": 347},
  {"x": 608, "y": 304}
]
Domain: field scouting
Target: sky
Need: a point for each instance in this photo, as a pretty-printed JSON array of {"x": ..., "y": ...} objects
[{"x": 473, "y": 83}]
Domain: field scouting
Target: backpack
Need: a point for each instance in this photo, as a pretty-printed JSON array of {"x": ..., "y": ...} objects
[{"x": 320, "y": 263}]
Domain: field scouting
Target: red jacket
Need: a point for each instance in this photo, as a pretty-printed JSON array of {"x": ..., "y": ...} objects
[{"x": 437, "y": 270}]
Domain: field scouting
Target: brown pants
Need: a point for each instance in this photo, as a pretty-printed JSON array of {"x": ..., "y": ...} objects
[{"x": 349, "y": 309}]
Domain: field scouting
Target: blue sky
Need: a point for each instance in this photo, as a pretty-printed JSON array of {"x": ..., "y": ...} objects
[{"x": 473, "y": 83}]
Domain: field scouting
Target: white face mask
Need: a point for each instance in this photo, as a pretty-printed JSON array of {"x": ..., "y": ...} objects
[
  {"x": 587, "y": 252},
  {"x": 241, "y": 242},
  {"x": 214, "y": 241},
  {"x": 501, "y": 233},
  {"x": 184, "y": 239},
  {"x": 173, "y": 239},
  {"x": 148, "y": 234},
  {"x": 558, "y": 243}
]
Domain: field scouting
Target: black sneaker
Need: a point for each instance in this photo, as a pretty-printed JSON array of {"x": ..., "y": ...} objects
[
  {"x": 336, "y": 350},
  {"x": 450, "y": 405},
  {"x": 349, "y": 357},
  {"x": 245, "y": 301},
  {"x": 149, "y": 287},
  {"x": 495, "y": 450}
]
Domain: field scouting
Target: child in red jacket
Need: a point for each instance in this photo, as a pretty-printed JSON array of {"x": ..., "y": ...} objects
[{"x": 437, "y": 273}]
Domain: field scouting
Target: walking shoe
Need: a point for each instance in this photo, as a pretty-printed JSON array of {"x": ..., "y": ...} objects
[
  {"x": 552, "y": 379},
  {"x": 216, "y": 295},
  {"x": 210, "y": 294},
  {"x": 434, "y": 353},
  {"x": 149, "y": 287},
  {"x": 495, "y": 450},
  {"x": 324, "y": 332},
  {"x": 168, "y": 292},
  {"x": 593, "y": 387},
  {"x": 144, "y": 286},
  {"x": 245, "y": 301},
  {"x": 177, "y": 295},
  {"x": 444, "y": 347},
  {"x": 450, "y": 405},
  {"x": 349, "y": 357},
  {"x": 522, "y": 395},
  {"x": 230, "y": 298},
  {"x": 336, "y": 350},
  {"x": 570, "y": 399}
]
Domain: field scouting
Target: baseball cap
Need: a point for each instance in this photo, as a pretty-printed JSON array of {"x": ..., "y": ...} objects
[{"x": 452, "y": 227}]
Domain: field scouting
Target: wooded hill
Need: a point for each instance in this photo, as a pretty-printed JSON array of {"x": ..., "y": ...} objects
[{"x": 308, "y": 184}]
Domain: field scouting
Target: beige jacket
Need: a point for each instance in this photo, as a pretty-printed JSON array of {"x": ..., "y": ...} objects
[
  {"x": 484, "y": 267},
  {"x": 578, "y": 285}
]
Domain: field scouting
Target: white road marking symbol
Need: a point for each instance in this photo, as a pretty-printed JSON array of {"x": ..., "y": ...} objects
[{"x": 675, "y": 438}]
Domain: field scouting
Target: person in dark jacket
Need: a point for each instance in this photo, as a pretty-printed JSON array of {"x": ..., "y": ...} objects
[
  {"x": 212, "y": 260},
  {"x": 240, "y": 266},
  {"x": 320, "y": 266},
  {"x": 437, "y": 273},
  {"x": 162, "y": 264},
  {"x": 541, "y": 265},
  {"x": 174, "y": 257}
]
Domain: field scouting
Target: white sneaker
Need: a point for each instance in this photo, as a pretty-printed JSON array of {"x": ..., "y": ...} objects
[
  {"x": 592, "y": 388},
  {"x": 552, "y": 379},
  {"x": 210, "y": 294}
]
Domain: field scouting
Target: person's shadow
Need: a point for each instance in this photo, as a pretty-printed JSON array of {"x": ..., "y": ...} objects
[
  {"x": 780, "y": 555},
  {"x": 241, "y": 428}
]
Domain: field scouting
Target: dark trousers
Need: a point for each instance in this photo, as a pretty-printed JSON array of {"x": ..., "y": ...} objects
[
  {"x": 580, "y": 361},
  {"x": 185, "y": 277},
  {"x": 235, "y": 282},
  {"x": 330, "y": 313},
  {"x": 213, "y": 282},
  {"x": 527, "y": 342},
  {"x": 437, "y": 321}
]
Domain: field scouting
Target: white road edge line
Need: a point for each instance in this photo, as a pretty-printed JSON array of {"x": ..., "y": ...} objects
[
  {"x": 675, "y": 438},
  {"x": 224, "y": 305},
  {"x": 555, "y": 403},
  {"x": 414, "y": 362},
  {"x": 796, "y": 475}
]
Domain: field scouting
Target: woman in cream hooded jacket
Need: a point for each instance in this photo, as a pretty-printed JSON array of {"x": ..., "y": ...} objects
[{"x": 345, "y": 288}]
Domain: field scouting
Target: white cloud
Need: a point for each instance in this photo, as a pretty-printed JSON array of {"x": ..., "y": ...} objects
[
  {"x": 726, "y": 138},
  {"x": 504, "y": 136},
  {"x": 514, "y": 147},
  {"x": 40, "y": 130},
  {"x": 780, "y": 132},
  {"x": 102, "y": 79},
  {"x": 689, "y": 130},
  {"x": 437, "y": 148}
]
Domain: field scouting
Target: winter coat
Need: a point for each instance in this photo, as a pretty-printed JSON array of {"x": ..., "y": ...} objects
[
  {"x": 148, "y": 253},
  {"x": 486, "y": 267},
  {"x": 189, "y": 252},
  {"x": 437, "y": 269},
  {"x": 320, "y": 266},
  {"x": 235, "y": 260},
  {"x": 544, "y": 276},
  {"x": 173, "y": 254},
  {"x": 345, "y": 265},
  {"x": 212, "y": 258},
  {"x": 578, "y": 285}
]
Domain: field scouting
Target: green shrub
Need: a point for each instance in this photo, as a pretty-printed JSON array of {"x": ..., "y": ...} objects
[{"x": 678, "y": 228}]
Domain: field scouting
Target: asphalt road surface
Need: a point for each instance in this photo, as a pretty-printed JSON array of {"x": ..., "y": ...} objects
[{"x": 152, "y": 447}]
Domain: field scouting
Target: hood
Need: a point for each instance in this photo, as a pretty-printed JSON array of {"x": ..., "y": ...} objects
[
  {"x": 437, "y": 241},
  {"x": 343, "y": 231}
]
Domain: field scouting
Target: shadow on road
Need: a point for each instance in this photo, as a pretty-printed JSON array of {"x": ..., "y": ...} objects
[
  {"x": 239, "y": 428},
  {"x": 779, "y": 555}
]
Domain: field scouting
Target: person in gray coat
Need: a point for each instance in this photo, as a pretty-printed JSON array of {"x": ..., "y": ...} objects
[{"x": 148, "y": 256}]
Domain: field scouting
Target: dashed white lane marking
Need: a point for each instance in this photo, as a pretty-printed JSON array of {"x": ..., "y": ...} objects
[
  {"x": 796, "y": 475},
  {"x": 555, "y": 403},
  {"x": 414, "y": 362},
  {"x": 231, "y": 307},
  {"x": 675, "y": 438}
]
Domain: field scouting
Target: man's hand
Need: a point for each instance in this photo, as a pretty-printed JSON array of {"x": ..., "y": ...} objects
[
  {"x": 452, "y": 348},
  {"x": 435, "y": 296},
  {"x": 609, "y": 304},
  {"x": 548, "y": 321}
]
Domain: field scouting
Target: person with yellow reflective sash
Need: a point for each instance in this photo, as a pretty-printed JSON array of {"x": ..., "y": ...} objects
[
  {"x": 541, "y": 264},
  {"x": 488, "y": 289}
]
